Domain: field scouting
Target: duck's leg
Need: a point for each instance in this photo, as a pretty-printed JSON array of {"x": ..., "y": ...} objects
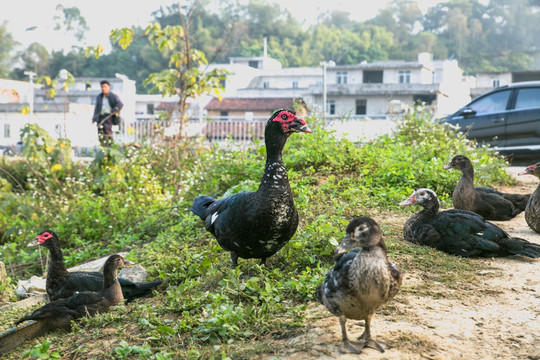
[
  {"x": 263, "y": 261},
  {"x": 346, "y": 346},
  {"x": 234, "y": 259},
  {"x": 367, "y": 340}
]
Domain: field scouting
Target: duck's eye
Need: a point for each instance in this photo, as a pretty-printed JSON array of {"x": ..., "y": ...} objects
[
  {"x": 362, "y": 228},
  {"x": 284, "y": 117}
]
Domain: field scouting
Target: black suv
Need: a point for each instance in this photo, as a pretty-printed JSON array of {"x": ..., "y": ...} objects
[{"x": 507, "y": 118}]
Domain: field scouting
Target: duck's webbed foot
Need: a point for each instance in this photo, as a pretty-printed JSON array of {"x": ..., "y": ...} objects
[
  {"x": 348, "y": 347},
  {"x": 368, "y": 341}
]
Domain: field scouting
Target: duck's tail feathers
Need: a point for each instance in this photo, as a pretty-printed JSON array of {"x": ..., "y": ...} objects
[
  {"x": 200, "y": 204},
  {"x": 519, "y": 200},
  {"x": 135, "y": 290},
  {"x": 525, "y": 248}
]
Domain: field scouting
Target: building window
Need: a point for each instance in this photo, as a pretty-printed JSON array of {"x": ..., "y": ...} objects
[
  {"x": 331, "y": 107},
  {"x": 58, "y": 130},
  {"x": 223, "y": 83},
  {"x": 373, "y": 76},
  {"x": 223, "y": 115},
  {"x": 7, "y": 130},
  {"x": 266, "y": 85},
  {"x": 496, "y": 83},
  {"x": 341, "y": 77},
  {"x": 150, "y": 109},
  {"x": 361, "y": 107},
  {"x": 404, "y": 76},
  {"x": 295, "y": 84},
  {"x": 253, "y": 64}
]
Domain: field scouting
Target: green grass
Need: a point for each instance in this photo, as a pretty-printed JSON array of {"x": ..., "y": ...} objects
[{"x": 138, "y": 199}]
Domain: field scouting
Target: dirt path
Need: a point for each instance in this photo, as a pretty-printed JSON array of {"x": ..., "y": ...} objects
[{"x": 504, "y": 324}]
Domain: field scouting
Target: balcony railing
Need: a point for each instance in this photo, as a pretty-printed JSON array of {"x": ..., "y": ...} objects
[{"x": 239, "y": 129}]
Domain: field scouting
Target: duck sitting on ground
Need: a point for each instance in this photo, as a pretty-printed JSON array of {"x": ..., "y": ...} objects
[
  {"x": 59, "y": 314},
  {"x": 532, "y": 211},
  {"x": 257, "y": 224},
  {"x": 483, "y": 200},
  {"x": 460, "y": 232},
  {"x": 62, "y": 284},
  {"x": 362, "y": 280}
]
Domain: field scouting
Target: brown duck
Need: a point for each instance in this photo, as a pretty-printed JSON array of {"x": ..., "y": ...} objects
[
  {"x": 483, "y": 200},
  {"x": 59, "y": 314},
  {"x": 362, "y": 280},
  {"x": 532, "y": 211}
]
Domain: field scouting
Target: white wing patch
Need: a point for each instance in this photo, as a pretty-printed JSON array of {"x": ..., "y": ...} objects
[{"x": 214, "y": 217}]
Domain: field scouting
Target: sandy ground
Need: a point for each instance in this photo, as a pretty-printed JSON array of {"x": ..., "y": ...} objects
[{"x": 498, "y": 319}]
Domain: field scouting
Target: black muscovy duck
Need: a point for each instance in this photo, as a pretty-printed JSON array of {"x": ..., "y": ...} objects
[
  {"x": 362, "y": 280},
  {"x": 460, "y": 232},
  {"x": 257, "y": 224},
  {"x": 532, "y": 211},
  {"x": 60, "y": 313},
  {"x": 483, "y": 200},
  {"x": 63, "y": 284}
]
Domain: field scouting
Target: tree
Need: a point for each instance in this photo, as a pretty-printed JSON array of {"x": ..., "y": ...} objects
[
  {"x": 7, "y": 44},
  {"x": 70, "y": 20},
  {"x": 36, "y": 58},
  {"x": 187, "y": 75}
]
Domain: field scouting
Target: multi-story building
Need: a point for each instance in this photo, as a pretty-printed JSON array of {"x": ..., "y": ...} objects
[{"x": 373, "y": 89}]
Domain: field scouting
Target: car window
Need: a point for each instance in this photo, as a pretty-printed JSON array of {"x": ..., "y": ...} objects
[
  {"x": 491, "y": 103},
  {"x": 528, "y": 98}
]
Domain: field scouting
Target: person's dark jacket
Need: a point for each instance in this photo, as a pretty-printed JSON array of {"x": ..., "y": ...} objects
[{"x": 115, "y": 103}]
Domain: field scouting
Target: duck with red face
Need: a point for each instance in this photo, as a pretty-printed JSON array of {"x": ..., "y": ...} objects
[{"x": 257, "y": 224}]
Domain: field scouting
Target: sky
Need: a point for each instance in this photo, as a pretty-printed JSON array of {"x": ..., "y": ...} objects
[{"x": 104, "y": 15}]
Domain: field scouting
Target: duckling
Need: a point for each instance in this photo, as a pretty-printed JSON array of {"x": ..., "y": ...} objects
[{"x": 362, "y": 280}]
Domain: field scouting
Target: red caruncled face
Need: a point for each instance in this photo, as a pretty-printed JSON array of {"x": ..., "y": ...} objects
[{"x": 290, "y": 122}]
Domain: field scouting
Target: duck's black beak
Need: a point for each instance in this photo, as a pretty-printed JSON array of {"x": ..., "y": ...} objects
[
  {"x": 343, "y": 247},
  {"x": 128, "y": 263},
  {"x": 299, "y": 125}
]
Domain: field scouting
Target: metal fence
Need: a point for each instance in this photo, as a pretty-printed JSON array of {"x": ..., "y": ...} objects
[{"x": 238, "y": 129}]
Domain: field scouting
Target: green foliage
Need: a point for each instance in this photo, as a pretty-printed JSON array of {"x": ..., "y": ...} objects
[
  {"x": 123, "y": 201},
  {"x": 41, "y": 351},
  {"x": 125, "y": 351}
]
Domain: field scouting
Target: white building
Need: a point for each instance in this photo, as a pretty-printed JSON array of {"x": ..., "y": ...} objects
[
  {"x": 373, "y": 89},
  {"x": 67, "y": 114},
  {"x": 489, "y": 80}
]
